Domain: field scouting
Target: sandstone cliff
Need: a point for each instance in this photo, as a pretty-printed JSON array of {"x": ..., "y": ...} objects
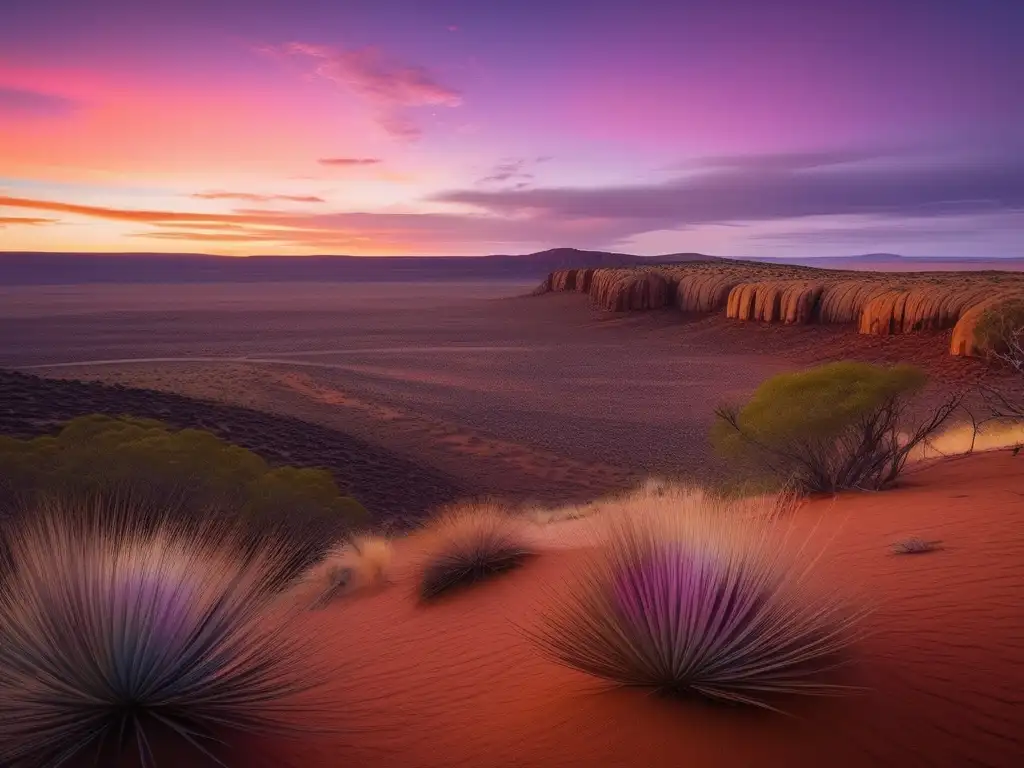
[{"x": 877, "y": 303}]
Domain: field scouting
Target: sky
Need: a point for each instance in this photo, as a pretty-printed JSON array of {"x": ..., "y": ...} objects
[{"x": 459, "y": 127}]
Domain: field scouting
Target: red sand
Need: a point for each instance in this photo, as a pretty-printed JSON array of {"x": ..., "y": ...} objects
[{"x": 455, "y": 684}]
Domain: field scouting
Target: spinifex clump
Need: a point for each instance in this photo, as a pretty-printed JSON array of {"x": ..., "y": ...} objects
[
  {"x": 691, "y": 598},
  {"x": 115, "y": 636},
  {"x": 471, "y": 544}
]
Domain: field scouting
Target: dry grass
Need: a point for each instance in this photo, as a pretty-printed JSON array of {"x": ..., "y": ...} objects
[
  {"x": 915, "y": 545},
  {"x": 692, "y": 594},
  {"x": 117, "y": 638},
  {"x": 470, "y": 543},
  {"x": 364, "y": 561}
]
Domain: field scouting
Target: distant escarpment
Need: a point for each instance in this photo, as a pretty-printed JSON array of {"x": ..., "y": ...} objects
[{"x": 878, "y": 303}]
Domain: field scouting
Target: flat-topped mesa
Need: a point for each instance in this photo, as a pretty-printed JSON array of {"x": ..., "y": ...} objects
[{"x": 878, "y": 303}]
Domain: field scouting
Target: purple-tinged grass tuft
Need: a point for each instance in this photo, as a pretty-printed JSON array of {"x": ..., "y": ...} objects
[
  {"x": 120, "y": 640},
  {"x": 693, "y": 595}
]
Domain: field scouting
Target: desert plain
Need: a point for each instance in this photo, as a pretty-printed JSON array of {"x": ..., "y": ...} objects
[{"x": 466, "y": 390}]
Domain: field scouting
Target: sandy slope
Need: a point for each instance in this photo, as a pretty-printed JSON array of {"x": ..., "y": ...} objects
[{"x": 455, "y": 684}]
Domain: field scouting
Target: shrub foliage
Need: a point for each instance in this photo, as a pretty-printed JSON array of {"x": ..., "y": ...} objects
[
  {"x": 194, "y": 467},
  {"x": 844, "y": 425}
]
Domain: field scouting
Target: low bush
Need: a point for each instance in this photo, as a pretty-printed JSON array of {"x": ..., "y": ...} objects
[
  {"x": 839, "y": 426},
  {"x": 468, "y": 544},
  {"x": 691, "y": 594},
  {"x": 190, "y": 470},
  {"x": 119, "y": 636}
]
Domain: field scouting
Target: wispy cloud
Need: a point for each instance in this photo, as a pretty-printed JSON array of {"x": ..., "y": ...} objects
[
  {"x": 349, "y": 162},
  {"x": 250, "y": 197},
  {"x": 766, "y": 188},
  {"x": 783, "y": 161},
  {"x": 24, "y": 102},
  {"x": 413, "y": 232},
  {"x": 514, "y": 169},
  {"x": 29, "y": 221},
  {"x": 786, "y": 195},
  {"x": 857, "y": 231},
  {"x": 390, "y": 87}
]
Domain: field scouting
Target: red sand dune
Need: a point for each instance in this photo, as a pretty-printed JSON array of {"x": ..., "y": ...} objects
[
  {"x": 456, "y": 685},
  {"x": 879, "y": 303}
]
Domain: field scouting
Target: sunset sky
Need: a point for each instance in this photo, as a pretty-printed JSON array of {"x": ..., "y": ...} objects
[{"x": 451, "y": 127}]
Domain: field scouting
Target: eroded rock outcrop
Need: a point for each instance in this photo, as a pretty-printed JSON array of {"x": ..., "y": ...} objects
[
  {"x": 844, "y": 300},
  {"x": 563, "y": 280},
  {"x": 926, "y": 307},
  {"x": 705, "y": 291},
  {"x": 630, "y": 290},
  {"x": 878, "y": 303},
  {"x": 965, "y": 340},
  {"x": 775, "y": 301}
]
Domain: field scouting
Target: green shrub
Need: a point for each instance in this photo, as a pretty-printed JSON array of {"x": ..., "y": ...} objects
[
  {"x": 190, "y": 468},
  {"x": 838, "y": 426}
]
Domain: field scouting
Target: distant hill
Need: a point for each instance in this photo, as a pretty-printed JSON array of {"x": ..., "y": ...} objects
[
  {"x": 891, "y": 262},
  {"x": 28, "y": 268}
]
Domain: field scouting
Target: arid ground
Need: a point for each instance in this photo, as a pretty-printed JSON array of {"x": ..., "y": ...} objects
[
  {"x": 510, "y": 395},
  {"x": 942, "y": 665},
  {"x": 447, "y": 390}
]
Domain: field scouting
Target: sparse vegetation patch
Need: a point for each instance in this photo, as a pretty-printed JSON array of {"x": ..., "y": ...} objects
[{"x": 839, "y": 426}]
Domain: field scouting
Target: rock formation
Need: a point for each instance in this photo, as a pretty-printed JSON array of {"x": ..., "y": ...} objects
[
  {"x": 705, "y": 291},
  {"x": 964, "y": 340},
  {"x": 877, "y": 303},
  {"x": 617, "y": 290}
]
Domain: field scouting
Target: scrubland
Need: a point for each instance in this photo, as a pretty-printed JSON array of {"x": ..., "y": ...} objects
[{"x": 845, "y": 593}]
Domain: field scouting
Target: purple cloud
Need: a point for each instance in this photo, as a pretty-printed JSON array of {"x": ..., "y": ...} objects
[
  {"x": 390, "y": 87},
  {"x": 768, "y": 188},
  {"x": 514, "y": 169},
  {"x": 22, "y": 102}
]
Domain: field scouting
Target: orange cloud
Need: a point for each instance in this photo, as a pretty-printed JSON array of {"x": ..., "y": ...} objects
[
  {"x": 366, "y": 233},
  {"x": 115, "y": 214},
  {"x": 254, "y": 198},
  {"x": 26, "y": 220},
  {"x": 348, "y": 162}
]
